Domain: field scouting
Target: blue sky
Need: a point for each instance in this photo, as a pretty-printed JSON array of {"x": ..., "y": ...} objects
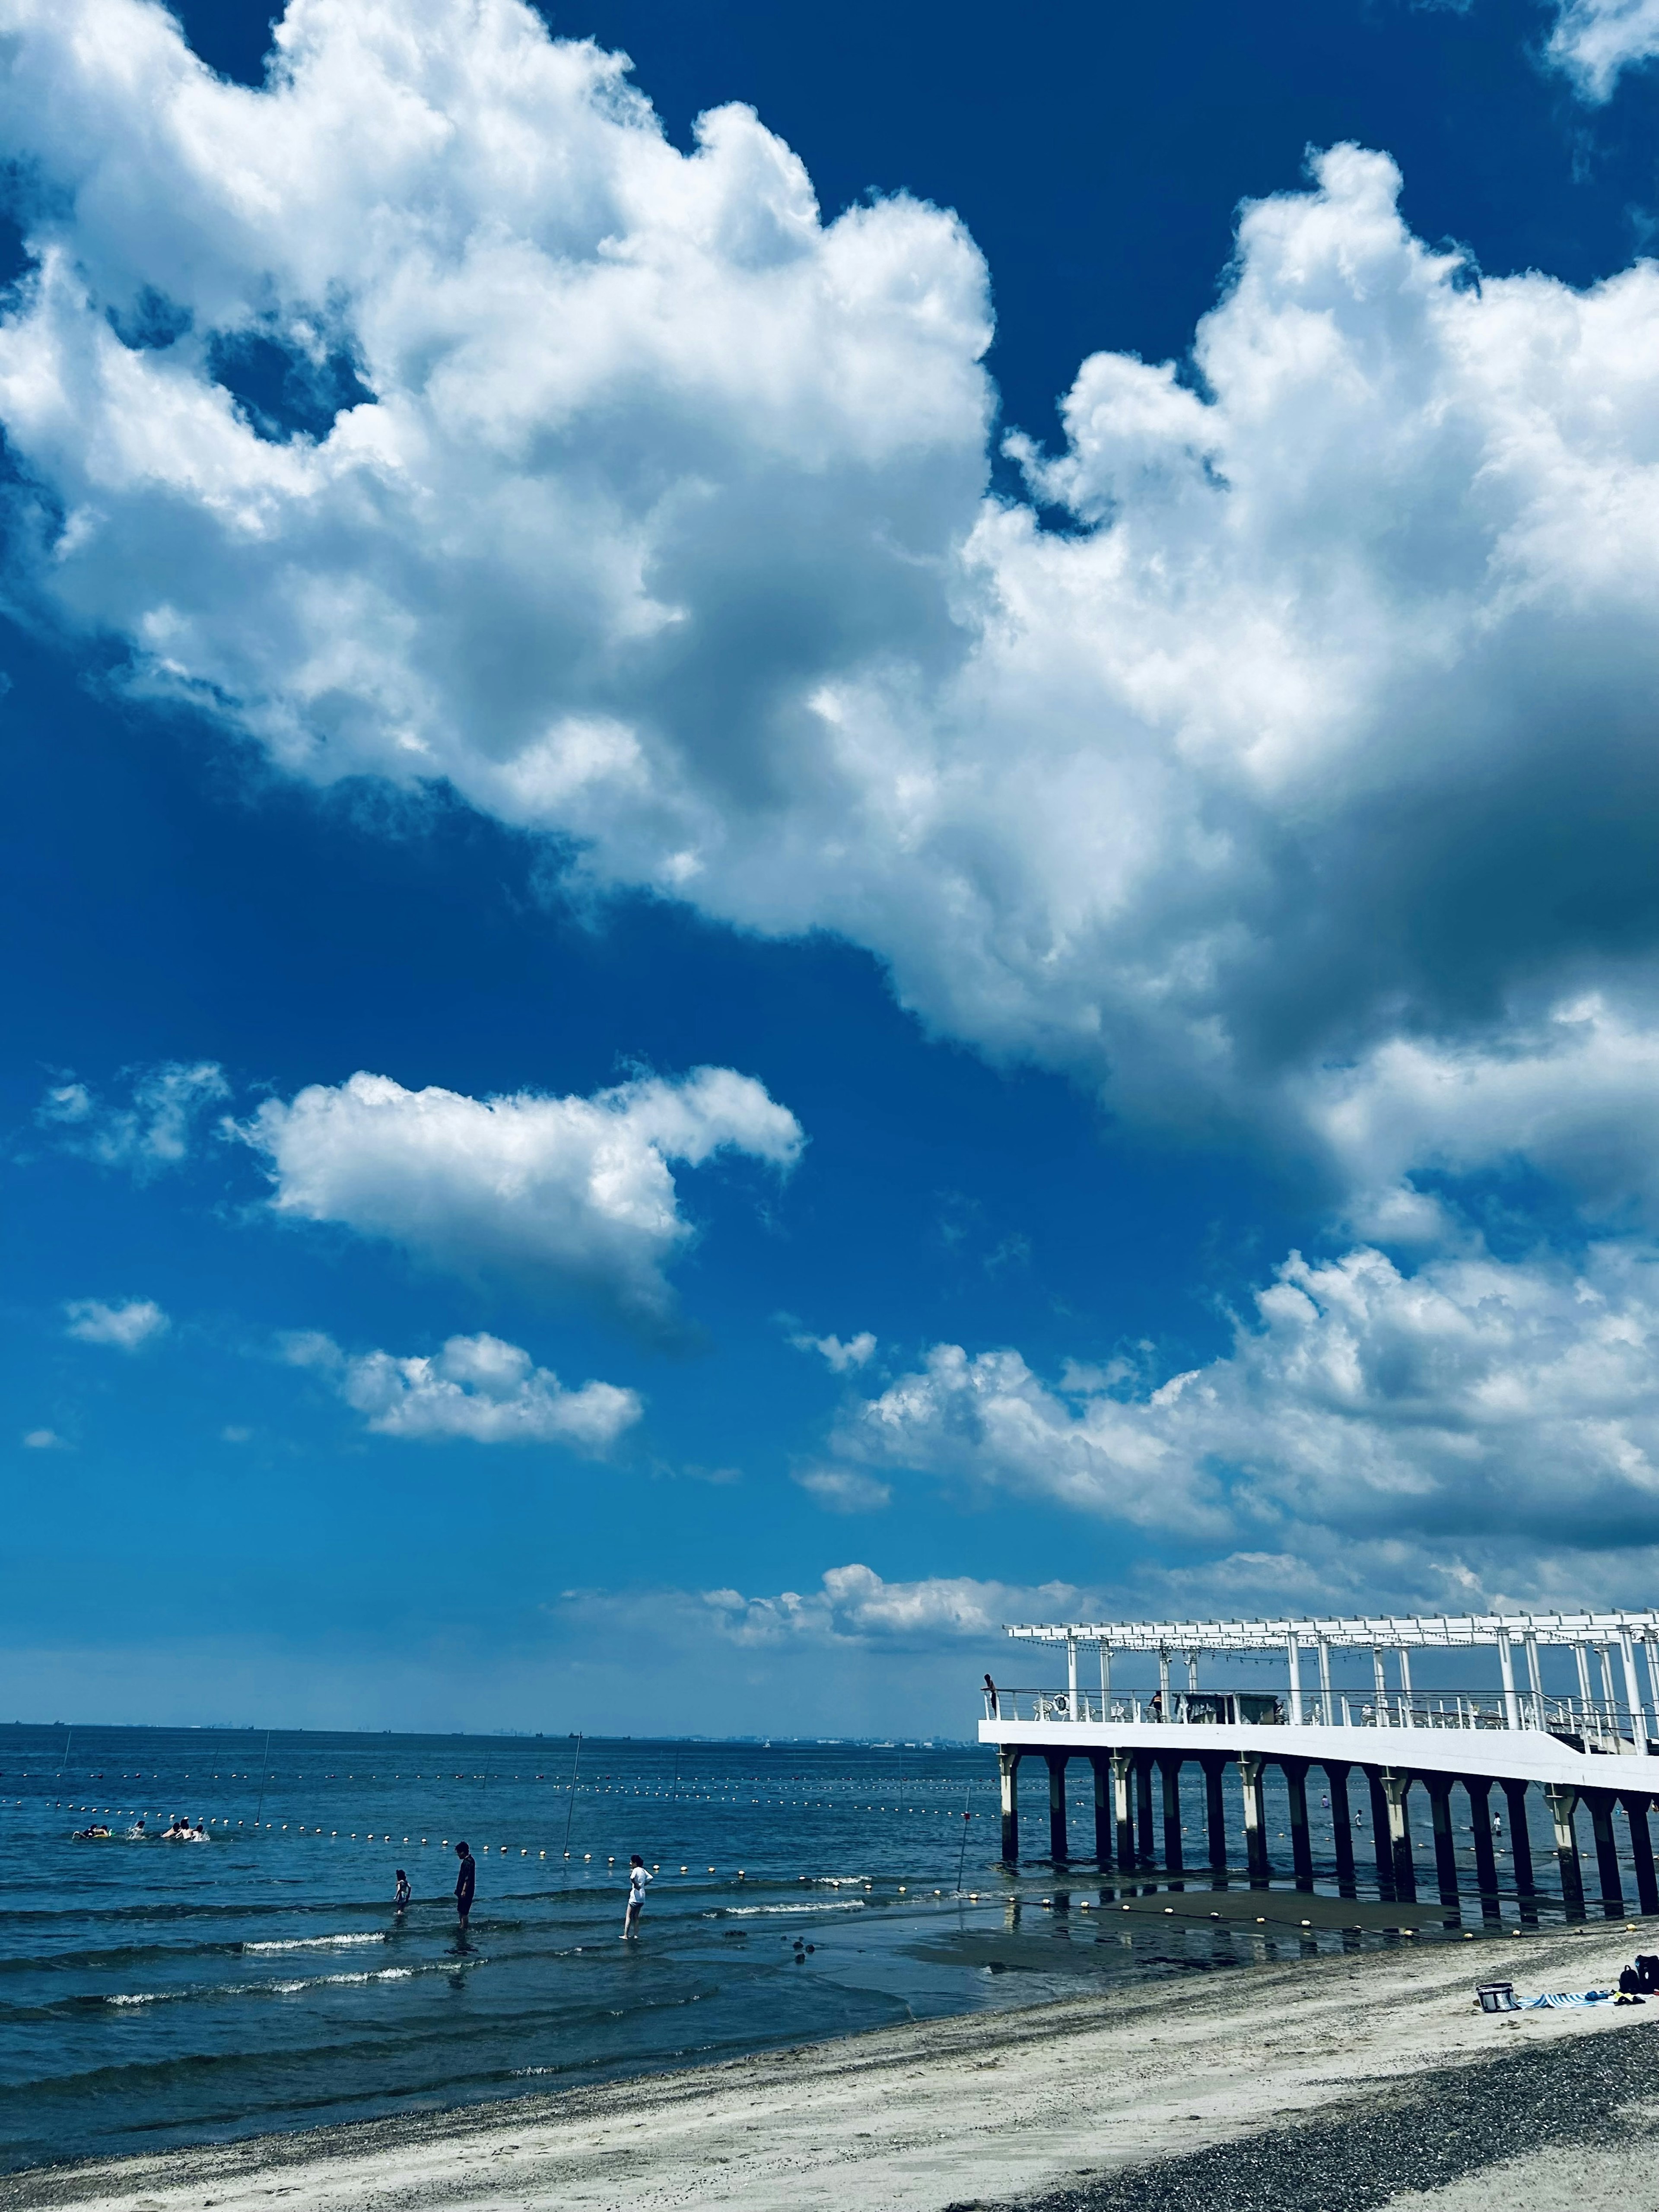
[{"x": 782, "y": 884}]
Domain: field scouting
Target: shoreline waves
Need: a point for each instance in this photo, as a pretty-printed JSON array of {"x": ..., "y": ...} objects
[{"x": 1368, "y": 2079}]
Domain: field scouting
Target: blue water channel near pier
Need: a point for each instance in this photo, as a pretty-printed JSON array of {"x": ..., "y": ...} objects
[{"x": 156, "y": 1993}]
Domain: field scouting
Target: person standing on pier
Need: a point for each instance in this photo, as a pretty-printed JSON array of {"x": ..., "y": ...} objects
[
  {"x": 466, "y": 1881},
  {"x": 637, "y": 1878}
]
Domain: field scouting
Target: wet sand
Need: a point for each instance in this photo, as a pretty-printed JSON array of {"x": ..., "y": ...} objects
[{"x": 1356, "y": 2080}]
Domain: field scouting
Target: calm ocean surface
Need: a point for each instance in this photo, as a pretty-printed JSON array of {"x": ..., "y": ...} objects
[{"x": 155, "y": 1993}]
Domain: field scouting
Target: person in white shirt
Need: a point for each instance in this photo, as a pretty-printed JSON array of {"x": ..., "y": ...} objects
[{"x": 637, "y": 1878}]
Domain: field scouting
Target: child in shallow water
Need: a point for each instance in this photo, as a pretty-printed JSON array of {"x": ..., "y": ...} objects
[{"x": 401, "y": 1898}]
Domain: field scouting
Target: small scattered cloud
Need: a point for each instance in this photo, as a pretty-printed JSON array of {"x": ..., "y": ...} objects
[
  {"x": 153, "y": 1131},
  {"x": 479, "y": 1387},
  {"x": 843, "y": 1358},
  {"x": 44, "y": 1440},
  {"x": 570, "y": 1192},
  {"x": 1595, "y": 41},
  {"x": 235, "y": 1435},
  {"x": 124, "y": 1326},
  {"x": 844, "y": 1489},
  {"x": 854, "y": 1605}
]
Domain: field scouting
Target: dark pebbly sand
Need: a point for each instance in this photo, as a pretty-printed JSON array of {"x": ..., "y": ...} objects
[{"x": 1334, "y": 2084}]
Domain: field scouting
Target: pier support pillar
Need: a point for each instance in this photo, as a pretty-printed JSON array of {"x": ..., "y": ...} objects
[
  {"x": 1256, "y": 1818},
  {"x": 1144, "y": 1808},
  {"x": 1101, "y": 1765},
  {"x": 1380, "y": 1843},
  {"x": 1564, "y": 1804},
  {"x": 1396, "y": 1789},
  {"x": 1295, "y": 1772},
  {"x": 1477, "y": 1788},
  {"x": 1008, "y": 1770},
  {"x": 1170, "y": 1765},
  {"x": 1215, "y": 1814},
  {"x": 1123, "y": 1768},
  {"x": 1525, "y": 1885},
  {"x": 1600, "y": 1802},
  {"x": 1336, "y": 1773},
  {"x": 1641, "y": 1851},
  {"x": 1057, "y": 1849},
  {"x": 1439, "y": 1787}
]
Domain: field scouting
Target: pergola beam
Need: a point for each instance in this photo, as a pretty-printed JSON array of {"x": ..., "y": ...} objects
[{"x": 1391, "y": 1631}]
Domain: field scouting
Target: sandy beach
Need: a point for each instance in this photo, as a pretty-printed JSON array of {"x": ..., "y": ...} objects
[{"x": 1357, "y": 2079}]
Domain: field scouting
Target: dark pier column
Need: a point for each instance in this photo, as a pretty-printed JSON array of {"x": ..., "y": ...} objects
[
  {"x": 1101, "y": 1761},
  {"x": 1008, "y": 1768},
  {"x": 1396, "y": 1790},
  {"x": 1171, "y": 1764},
  {"x": 1336, "y": 1773},
  {"x": 1057, "y": 1849},
  {"x": 1478, "y": 1789},
  {"x": 1295, "y": 1772},
  {"x": 1607, "y": 1853},
  {"x": 1256, "y": 1818},
  {"x": 1563, "y": 1804},
  {"x": 1641, "y": 1851},
  {"x": 1123, "y": 1770},
  {"x": 1144, "y": 1808},
  {"x": 1215, "y": 1812},
  {"x": 1380, "y": 1843},
  {"x": 1439, "y": 1787},
  {"x": 1526, "y": 1884}
]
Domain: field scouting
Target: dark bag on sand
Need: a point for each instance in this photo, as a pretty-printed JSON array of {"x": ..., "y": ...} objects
[
  {"x": 1647, "y": 1970},
  {"x": 1630, "y": 1981}
]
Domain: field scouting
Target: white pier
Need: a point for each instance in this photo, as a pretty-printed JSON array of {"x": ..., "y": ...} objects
[{"x": 1594, "y": 1748}]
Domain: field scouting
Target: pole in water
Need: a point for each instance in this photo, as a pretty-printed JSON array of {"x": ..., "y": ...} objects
[
  {"x": 68, "y": 1740},
  {"x": 966, "y": 1816},
  {"x": 264, "y": 1761},
  {"x": 575, "y": 1769}
]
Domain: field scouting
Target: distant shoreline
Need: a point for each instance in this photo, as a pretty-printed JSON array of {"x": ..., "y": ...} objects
[{"x": 1290, "y": 2077}]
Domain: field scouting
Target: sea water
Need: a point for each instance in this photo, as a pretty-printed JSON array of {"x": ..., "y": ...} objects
[{"x": 156, "y": 1993}]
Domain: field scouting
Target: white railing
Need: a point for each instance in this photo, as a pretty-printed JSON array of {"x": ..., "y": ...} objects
[{"x": 1597, "y": 1726}]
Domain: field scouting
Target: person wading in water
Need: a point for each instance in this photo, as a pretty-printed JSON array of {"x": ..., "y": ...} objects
[
  {"x": 466, "y": 1881},
  {"x": 637, "y": 1878}
]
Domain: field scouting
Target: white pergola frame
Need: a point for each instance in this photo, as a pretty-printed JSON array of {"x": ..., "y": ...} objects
[{"x": 1401, "y": 1633}]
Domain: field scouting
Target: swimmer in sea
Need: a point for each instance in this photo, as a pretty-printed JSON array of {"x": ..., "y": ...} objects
[{"x": 401, "y": 1897}]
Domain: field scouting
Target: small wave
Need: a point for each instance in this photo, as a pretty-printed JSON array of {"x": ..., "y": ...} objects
[
  {"x": 753, "y": 1911},
  {"x": 311, "y": 1942},
  {"x": 293, "y": 1985}
]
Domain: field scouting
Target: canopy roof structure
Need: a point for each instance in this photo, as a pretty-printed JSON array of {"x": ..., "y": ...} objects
[{"x": 1385, "y": 1632}]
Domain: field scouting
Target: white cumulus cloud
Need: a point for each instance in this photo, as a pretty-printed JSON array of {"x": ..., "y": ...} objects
[
  {"x": 1467, "y": 1406},
  {"x": 573, "y": 1191},
  {"x": 126, "y": 1327},
  {"x": 477, "y": 1386},
  {"x": 620, "y": 490},
  {"x": 853, "y": 1604}
]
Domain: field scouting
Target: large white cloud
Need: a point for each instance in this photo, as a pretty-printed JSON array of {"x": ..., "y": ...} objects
[
  {"x": 477, "y": 1386},
  {"x": 657, "y": 520},
  {"x": 572, "y": 1191},
  {"x": 1468, "y": 1408}
]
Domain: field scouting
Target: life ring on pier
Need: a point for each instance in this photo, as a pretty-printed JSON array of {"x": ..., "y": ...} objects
[{"x": 1060, "y": 1707}]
